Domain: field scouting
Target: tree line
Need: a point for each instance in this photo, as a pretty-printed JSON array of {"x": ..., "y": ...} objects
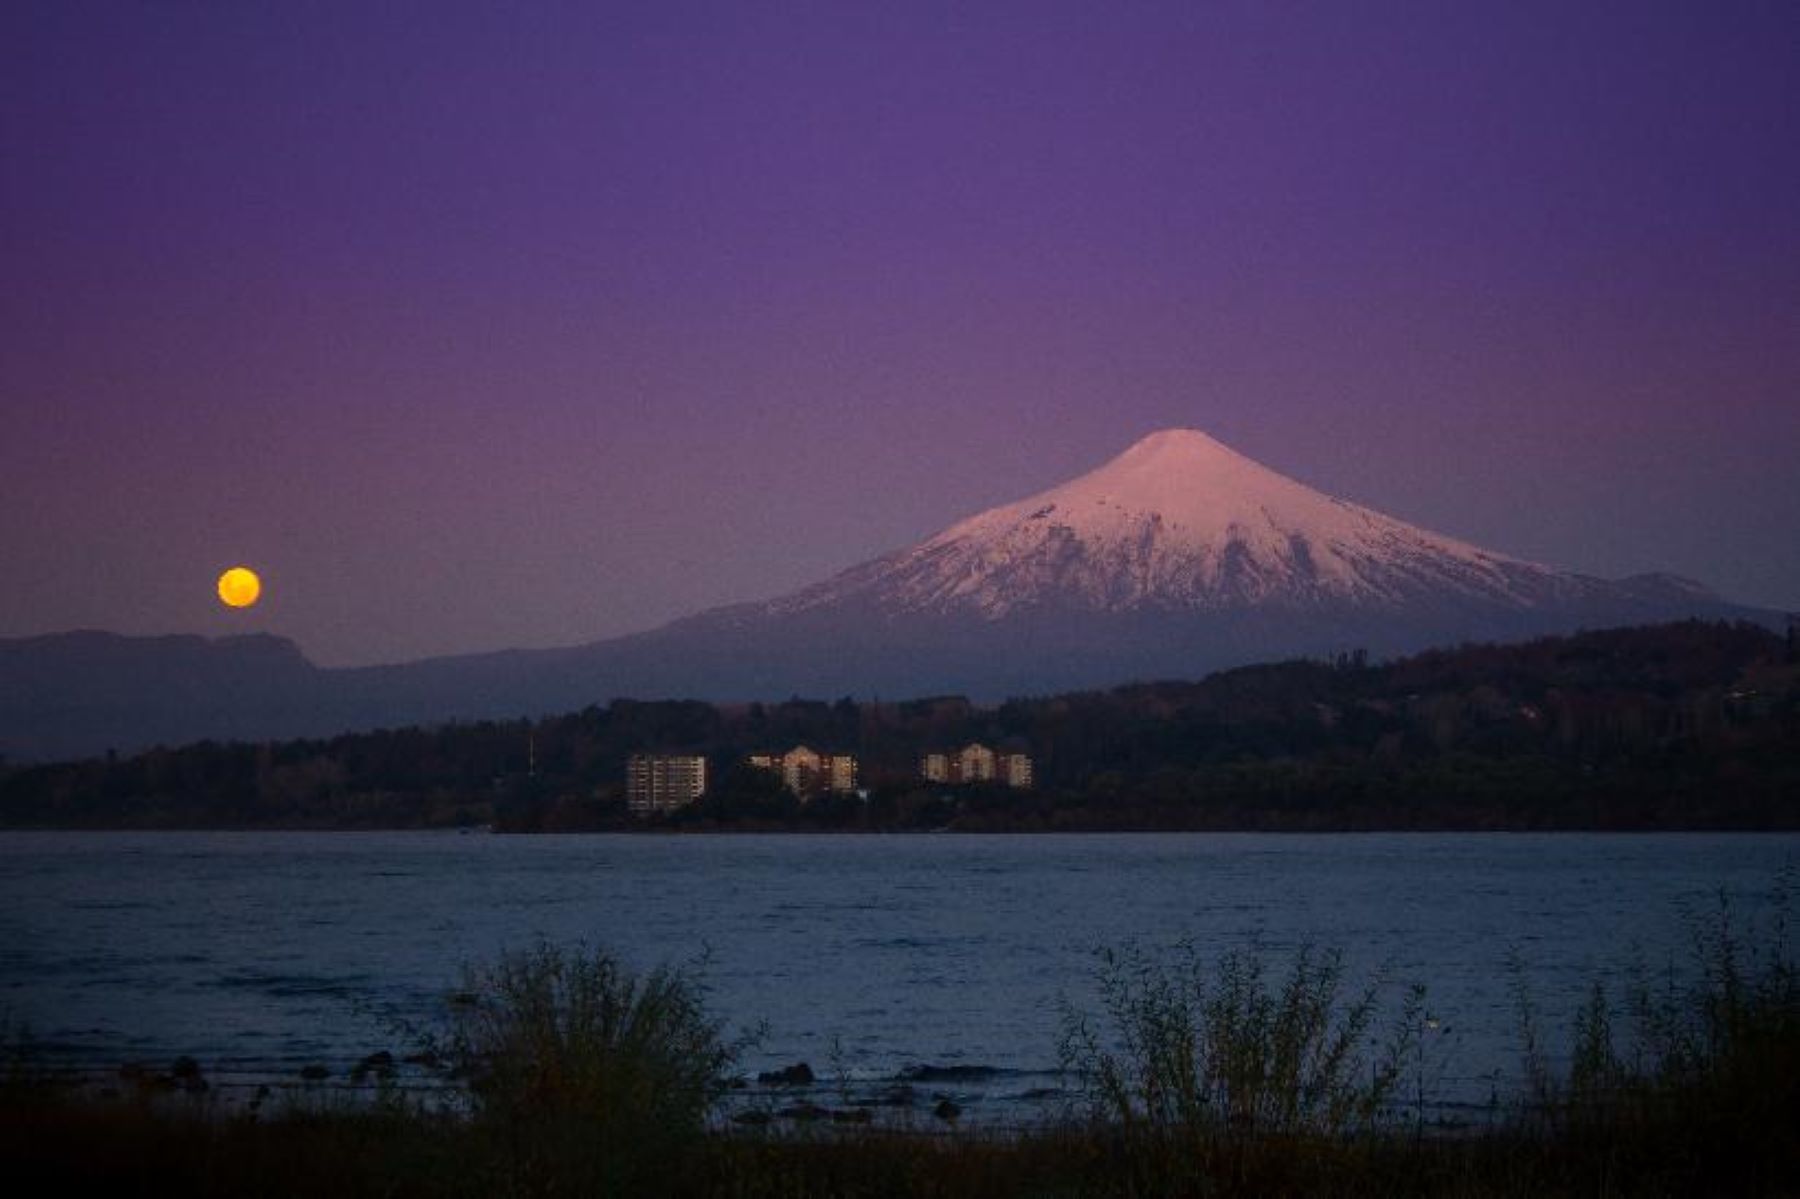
[{"x": 1687, "y": 725}]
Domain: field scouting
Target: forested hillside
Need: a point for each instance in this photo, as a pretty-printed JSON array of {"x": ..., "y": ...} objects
[{"x": 1687, "y": 725}]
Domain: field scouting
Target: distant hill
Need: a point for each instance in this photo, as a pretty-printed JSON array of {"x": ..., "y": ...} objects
[
  {"x": 1681, "y": 726},
  {"x": 79, "y": 693},
  {"x": 1177, "y": 558}
]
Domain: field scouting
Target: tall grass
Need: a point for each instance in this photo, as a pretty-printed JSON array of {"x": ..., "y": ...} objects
[
  {"x": 581, "y": 1073},
  {"x": 1223, "y": 1046},
  {"x": 1727, "y": 1018},
  {"x": 1697, "y": 1063},
  {"x": 20, "y": 1068}
]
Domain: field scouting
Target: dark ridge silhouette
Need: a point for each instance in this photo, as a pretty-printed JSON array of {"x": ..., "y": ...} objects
[{"x": 1687, "y": 725}]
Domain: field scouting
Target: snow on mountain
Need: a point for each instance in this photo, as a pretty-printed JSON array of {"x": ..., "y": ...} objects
[{"x": 1182, "y": 522}]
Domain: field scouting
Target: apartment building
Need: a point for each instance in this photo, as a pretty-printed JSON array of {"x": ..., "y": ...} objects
[
  {"x": 808, "y": 773},
  {"x": 657, "y": 783},
  {"x": 976, "y": 763}
]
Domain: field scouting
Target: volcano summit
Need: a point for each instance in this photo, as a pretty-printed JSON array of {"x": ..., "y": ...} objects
[
  {"x": 1178, "y": 557},
  {"x": 1179, "y": 522}
]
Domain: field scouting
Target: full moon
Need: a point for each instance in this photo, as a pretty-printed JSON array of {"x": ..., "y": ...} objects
[{"x": 239, "y": 587}]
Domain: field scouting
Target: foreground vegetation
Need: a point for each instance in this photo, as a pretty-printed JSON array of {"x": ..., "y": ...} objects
[
  {"x": 1229, "y": 1076},
  {"x": 1682, "y": 726}
]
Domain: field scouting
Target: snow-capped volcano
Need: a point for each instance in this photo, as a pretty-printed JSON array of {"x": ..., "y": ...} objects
[{"x": 1182, "y": 522}]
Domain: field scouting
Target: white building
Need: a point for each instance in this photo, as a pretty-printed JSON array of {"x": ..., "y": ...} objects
[
  {"x": 663, "y": 782},
  {"x": 976, "y": 763},
  {"x": 809, "y": 773}
]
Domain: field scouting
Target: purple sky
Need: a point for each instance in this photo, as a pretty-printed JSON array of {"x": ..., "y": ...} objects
[{"x": 472, "y": 328}]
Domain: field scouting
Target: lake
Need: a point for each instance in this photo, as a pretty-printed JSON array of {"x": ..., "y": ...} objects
[{"x": 865, "y": 956}]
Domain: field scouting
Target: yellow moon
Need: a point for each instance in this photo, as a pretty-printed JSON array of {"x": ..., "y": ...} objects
[{"x": 239, "y": 587}]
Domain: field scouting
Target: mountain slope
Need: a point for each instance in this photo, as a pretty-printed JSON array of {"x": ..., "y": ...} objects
[{"x": 1179, "y": 521}]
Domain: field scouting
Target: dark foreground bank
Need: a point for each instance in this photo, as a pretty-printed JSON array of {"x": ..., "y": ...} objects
[{"x": 127, "y": 1151}]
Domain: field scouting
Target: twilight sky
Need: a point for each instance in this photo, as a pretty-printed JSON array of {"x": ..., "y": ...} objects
[{"x": 483, "y": 325}]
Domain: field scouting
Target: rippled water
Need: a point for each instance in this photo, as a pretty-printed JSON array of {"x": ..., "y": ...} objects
[{"x": 258, "y": 953}]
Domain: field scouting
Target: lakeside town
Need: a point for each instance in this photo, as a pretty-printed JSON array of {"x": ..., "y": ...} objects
[{"x": 658, "y": 784}]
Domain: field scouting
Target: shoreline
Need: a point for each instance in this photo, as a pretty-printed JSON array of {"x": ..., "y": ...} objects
[{"x": 816, "y": 831}]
